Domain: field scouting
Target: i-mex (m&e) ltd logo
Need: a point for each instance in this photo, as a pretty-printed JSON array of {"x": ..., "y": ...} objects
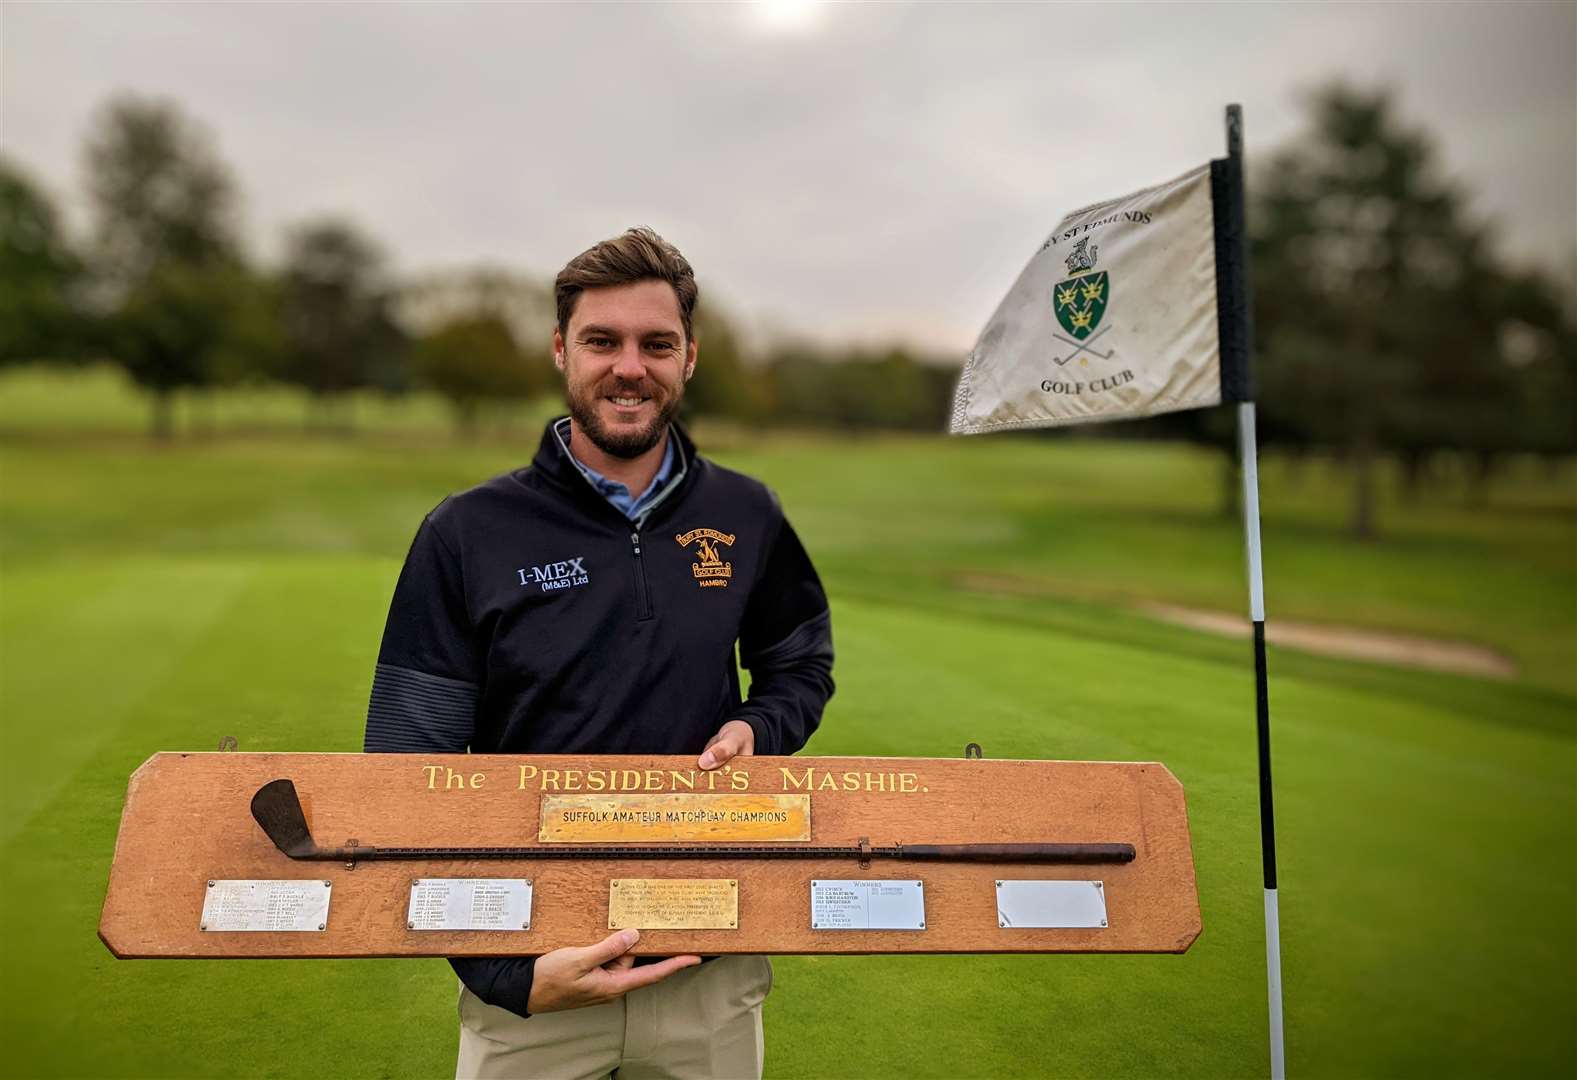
[
  {"x": 564, "y": 574},
  {"x": 709, "y": 568}
]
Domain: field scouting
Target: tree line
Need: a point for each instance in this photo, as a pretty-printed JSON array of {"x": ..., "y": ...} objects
[
  {"x": 1387, "y": 323},
  {"x": 162, "y": 286}
]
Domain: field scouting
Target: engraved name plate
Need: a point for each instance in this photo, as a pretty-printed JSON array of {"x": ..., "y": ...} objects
[
  {"x": 623, "y": 819},
  {"x": 469, "y": 904},
  {"x": 673, "y": 904},
  {"x": 1059, "y": 904},
  {"x": 847, "y": 904},
  {"x": 243, "y": 904}
]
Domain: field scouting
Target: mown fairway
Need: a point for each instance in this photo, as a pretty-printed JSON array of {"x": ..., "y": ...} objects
[{"x": 162, "y": 598}]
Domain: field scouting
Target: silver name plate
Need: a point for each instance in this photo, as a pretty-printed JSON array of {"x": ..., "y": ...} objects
[
  {"x": 469, "y": 904},
  {"x": 240, "y": 904},
  {"x": 1059, "y": 904},
  {"x": 845, "y": 904}
]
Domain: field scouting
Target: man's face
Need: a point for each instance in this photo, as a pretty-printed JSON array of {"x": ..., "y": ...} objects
[{"x": 625, "y": 361}]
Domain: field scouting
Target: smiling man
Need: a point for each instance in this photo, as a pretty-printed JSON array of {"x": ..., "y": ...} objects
[{"x": 590, "y": 603}]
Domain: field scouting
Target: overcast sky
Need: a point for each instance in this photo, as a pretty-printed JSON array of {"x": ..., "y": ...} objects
[{"x": 837, "y": 170}]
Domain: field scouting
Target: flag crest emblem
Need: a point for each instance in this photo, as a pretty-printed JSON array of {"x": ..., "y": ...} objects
[{"x": 1080, "y": 301}]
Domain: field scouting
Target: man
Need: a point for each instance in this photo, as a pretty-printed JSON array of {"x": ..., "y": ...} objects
[{"x": 591, "y": 603}]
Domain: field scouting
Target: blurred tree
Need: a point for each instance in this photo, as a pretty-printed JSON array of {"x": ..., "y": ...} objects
[
  {"x": 1538, "y": 342},
  {"x": 166, "y": 261},
  {"x": 482, "y": 337},
  {"x": 725, "y": 383},
  {"x": 890, "y": 389},
  {"x": 526, "y": 304},
  {"x": 1378, "y": 301},
  {"x": 41, "y": 277},
  {"x": 473, "y": 360},
  {"x": 339, "y": 328},
  {"x": 187, "y": 327},
  {"x": 159, "y": 191}
]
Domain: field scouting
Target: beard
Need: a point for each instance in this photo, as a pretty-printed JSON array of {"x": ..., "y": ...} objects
[{"x": 626, "y": 443}]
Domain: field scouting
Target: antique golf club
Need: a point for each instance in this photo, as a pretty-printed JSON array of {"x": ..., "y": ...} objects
[{"x": 277, "y": 808}]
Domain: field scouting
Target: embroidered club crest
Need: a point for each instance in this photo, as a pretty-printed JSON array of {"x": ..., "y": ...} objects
[
  {"x": 709, "y": 569},
  {"x": 1081, "y": 300}
]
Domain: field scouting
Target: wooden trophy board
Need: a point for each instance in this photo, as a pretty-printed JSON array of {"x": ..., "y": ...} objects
[{"x": 195, "y": 876}]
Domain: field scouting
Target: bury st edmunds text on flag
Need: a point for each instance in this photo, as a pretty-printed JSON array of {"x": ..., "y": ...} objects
[{"x": 1116, "y": 316}]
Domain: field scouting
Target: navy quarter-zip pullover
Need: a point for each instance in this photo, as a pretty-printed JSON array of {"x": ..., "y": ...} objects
[{"x": 532, "y": 616}]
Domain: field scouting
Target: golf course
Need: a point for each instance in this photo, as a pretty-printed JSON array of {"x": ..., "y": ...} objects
[{"x": 233, "y": 582}]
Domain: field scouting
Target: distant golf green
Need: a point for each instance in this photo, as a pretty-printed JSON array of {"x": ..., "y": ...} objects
[{"x": 157, "y": 597}]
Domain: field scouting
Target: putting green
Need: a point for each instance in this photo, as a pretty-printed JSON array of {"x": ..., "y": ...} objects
[{"x": 163, "y": 599}]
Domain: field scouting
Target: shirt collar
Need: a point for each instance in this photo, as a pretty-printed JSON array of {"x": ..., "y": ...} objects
[{"x": 616, "y": 493}]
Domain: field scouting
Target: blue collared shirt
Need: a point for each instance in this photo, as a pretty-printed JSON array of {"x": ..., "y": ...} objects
[{"x": 617, "y": 494}]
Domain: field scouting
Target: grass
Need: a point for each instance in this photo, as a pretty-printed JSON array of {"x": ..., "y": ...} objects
[{"x": 164, "y": 597}]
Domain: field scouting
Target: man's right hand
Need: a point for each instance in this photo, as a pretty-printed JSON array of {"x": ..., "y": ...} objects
[{"x": 596, "y": 974}]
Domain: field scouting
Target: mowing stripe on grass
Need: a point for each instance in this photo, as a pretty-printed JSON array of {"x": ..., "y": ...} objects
[{"x": 85, "y": 646}]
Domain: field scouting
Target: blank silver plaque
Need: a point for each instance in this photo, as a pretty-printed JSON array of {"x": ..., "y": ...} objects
[
  {"x": 844, "y": 904},
  {"x": 469, "y": 904},
  {"x": 1060, "y": 904},
  {"x": 239, "y": 904}
]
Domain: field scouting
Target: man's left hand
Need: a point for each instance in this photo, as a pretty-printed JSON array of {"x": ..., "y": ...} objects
[{"x": 734, "y": 739}]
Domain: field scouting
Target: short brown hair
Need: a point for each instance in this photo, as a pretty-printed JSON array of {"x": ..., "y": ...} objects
[{"x": 638, "y": 254}]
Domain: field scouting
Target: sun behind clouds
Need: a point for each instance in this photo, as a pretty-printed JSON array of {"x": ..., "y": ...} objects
[{"x": 787, "y": 16}]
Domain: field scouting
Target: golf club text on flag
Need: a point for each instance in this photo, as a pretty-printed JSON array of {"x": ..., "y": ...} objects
[{"x": 1120, "y": 314}]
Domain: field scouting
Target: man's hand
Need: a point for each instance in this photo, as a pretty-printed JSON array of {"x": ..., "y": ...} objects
[
  {"x": 734, "y": 739},
  {"x": 596, "y": 974}
]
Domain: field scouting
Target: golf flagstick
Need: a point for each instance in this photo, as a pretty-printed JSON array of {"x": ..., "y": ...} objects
[
  {"x": 1248, "y": 460},
  {"x": 1145, "y": 257}
]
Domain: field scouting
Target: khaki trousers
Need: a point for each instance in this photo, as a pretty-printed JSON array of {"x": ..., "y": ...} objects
[{"x": 703, "y": 1022}]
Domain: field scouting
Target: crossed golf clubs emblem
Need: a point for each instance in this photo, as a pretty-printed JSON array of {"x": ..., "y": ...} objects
[{"x": 1082, "y": 346}]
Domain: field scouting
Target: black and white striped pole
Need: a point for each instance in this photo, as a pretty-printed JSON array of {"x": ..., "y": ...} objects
[
  {"x": 1248, "y": 458},
  {"x": 1267, "y": 814}
]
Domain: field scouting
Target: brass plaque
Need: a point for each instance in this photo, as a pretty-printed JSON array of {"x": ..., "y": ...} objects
[
  {"x": 628, "y": 819},
  {"x": 673, "y": 904}
]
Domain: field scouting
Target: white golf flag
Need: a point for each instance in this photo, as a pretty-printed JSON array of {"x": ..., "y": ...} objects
[{"x": 1115, "y": 317}]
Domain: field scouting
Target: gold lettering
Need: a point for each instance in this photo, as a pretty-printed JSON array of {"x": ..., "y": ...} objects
[
  {"x": 675, "y": 778},
  {"x": 476, "y": 779},
  {"x": 796, "y": 782},
  {"x": 571, "y": 779},
  {"x": 739, "y": 780},
  {"x": 851, "y": 781},
  {"x": 880, "y": 780},
  {"x": 908, "y": 782},
  {"x": 828, "y": 782},
  {"x": 654, "y": 780},
  {"x": 629, "y": 780},
  {"x": 596, "y": 780},
  {"x": 711, "y": 780},
  {"x": 550, "y": 779},
  {"x": 432, "y": 776},
  {"x": 527, "y": 772}
]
